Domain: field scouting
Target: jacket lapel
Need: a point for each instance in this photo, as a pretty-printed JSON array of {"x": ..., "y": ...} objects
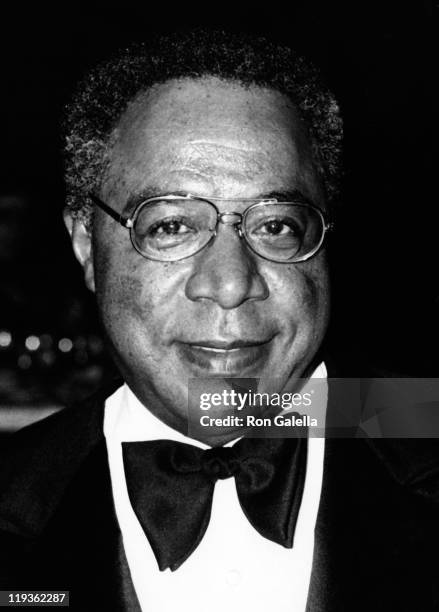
[
  {"x": 83, "y": 544},
  {"x": 57, "y": 521}
]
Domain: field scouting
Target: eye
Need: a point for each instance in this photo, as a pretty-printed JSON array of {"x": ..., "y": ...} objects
[
  {"x": 278, "y": 227},
  {"x": 169, "y": 227},
  {"x": 165, "y": 232}
]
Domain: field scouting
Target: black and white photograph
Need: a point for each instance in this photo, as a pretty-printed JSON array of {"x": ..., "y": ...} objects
[{"x": 219, "y": 308}]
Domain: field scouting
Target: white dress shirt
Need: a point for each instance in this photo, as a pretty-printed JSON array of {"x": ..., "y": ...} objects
[{"x": 234, "y": 568}]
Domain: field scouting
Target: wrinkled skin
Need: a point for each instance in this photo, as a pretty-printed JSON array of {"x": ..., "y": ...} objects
[{"x": 168, "y": 322}]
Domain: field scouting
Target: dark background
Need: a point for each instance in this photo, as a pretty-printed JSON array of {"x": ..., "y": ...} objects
[{"x": 378, "y": 57}]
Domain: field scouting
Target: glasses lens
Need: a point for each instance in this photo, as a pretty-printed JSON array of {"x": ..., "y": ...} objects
[
  {"x": 284, "y": 231},
  {"x": 168, "y": 230}
]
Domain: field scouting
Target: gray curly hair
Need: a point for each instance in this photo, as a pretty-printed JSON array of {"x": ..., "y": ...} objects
[{"x": 104, "y": 93}]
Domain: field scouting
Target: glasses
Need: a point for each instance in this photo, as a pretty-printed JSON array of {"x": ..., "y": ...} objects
[{"x": 173, "y": 227}]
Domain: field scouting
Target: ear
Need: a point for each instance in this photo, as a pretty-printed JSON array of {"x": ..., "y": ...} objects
[{"x": 82, "y": 246}]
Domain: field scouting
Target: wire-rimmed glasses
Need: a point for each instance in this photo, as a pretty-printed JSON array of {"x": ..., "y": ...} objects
[{"x": 174, "y": 227}]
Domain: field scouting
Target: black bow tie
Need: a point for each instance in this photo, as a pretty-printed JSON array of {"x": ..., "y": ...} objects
[{"x": 171, "y": 486}]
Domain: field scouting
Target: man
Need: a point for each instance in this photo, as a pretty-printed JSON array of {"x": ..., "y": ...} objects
[{"x": 202, "y": 175}]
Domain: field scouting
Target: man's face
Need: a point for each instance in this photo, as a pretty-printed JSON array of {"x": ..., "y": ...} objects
[{"x": 224, "y": 311}]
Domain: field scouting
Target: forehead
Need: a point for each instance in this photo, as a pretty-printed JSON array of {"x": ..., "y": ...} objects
[{"x": 211, "y": 137}]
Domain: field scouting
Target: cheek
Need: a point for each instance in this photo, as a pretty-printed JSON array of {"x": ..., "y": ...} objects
[
  {"x": 133, "y": 295},
  {"x": 316, "y": 304},
  {"x": 119, "y": 294},
  {"x": 316, "y": 295},
  {"x": 123, "y": 296},
  {"x": 301, "y": 292}
]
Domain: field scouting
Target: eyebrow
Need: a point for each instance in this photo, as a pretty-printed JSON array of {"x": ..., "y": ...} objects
[
  {"x": 287, "y": 196},
  {"x": 137, "y": 198}
]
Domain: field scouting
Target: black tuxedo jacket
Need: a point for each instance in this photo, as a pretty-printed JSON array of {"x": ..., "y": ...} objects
[{"x": 377, "y": 533}]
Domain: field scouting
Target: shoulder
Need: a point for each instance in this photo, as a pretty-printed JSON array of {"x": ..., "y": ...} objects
[
  {"x": 38, "y": 462},
  {"x": 390, "y": 413}
]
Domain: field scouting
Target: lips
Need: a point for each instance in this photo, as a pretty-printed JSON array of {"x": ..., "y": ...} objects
[{"x": 225, "y": 358}]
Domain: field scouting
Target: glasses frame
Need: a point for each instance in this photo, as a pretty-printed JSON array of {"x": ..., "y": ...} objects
[{"x": 235, "y": 219}]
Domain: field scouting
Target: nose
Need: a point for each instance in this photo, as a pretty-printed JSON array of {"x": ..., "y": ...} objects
[{"x": 225, "y": 272}]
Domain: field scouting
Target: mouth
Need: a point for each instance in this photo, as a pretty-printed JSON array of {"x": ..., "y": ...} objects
[{"x": 240, "y": 358}]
